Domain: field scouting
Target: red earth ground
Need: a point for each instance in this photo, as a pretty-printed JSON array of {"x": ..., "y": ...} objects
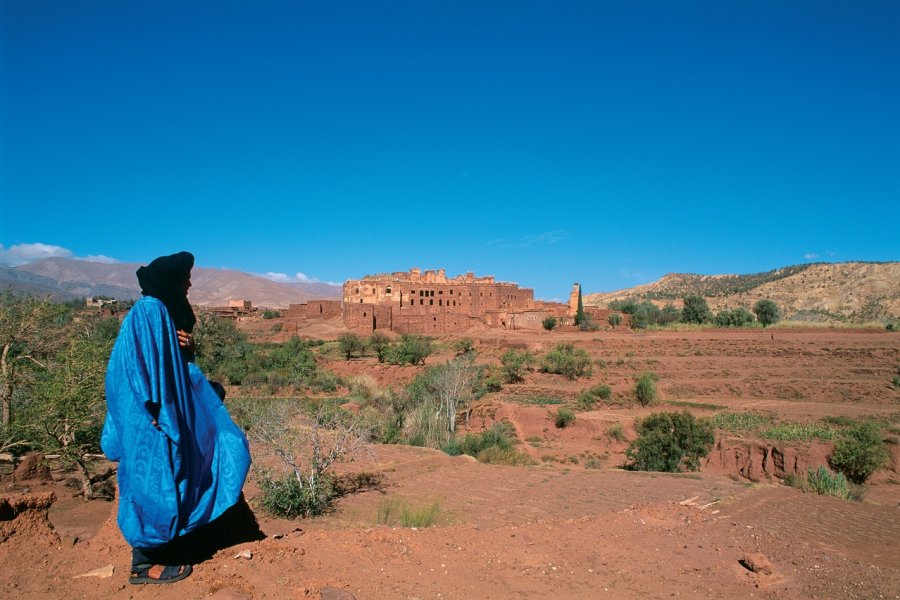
[{"x": 557, "y": 529}]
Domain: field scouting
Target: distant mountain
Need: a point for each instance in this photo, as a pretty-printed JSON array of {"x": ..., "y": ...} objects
[
  {"x": 850, "y": 291},
  {"x": 65, "y": 278}
]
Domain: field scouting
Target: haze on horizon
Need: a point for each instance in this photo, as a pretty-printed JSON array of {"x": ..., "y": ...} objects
[{"x": 599, "y": 142}]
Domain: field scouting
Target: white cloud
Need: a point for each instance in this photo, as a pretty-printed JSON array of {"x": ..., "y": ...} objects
[
  {"x": 99, "y": 258},
  {"x": 810, "y": 256},
  {"x": 279, "y": 277},
  {"x": 22, "y": 254},
  {"x": 302, "y": 278}
]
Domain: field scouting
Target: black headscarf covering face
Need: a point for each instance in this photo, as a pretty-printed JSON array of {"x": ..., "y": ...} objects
[{"x": 164, "y": 280}]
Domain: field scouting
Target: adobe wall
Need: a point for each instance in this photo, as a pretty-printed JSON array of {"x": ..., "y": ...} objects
[
  {"x": 322, "y": 309},
  {"x": 367, "y": 317}
]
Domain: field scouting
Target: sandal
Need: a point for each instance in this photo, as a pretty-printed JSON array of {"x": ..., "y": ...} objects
[{"x": 159, "y": 573}]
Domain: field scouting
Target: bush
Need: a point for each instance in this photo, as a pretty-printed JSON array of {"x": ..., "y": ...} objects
[
  {"x": 500, "y": 435},
  {"x": 669, "y": 314},
  {"x": 644, "y": 315},
  {"x": 549, "y": 323},
  {"x": 270, "y": 314},
  {"x": 351, "y": 345},
  {"x": 464, "y": 345},
  {"x": 614, "y": 319},
  {"x": 397, "y": 511},
  {"x": 616, "y": 432},
  {"x": 738, "y": 317},
  {"x": 670, "y": 442},
  {"x": 767, "y": 312},
  {"x": 745, "y": 421},
  {"x": 825, "y": 483},
  {"x": 860, "y": 453},
  {"x": 645, "y": 389},
  {"x": 498, "y": 456},
  {"x": 798, "y": 432},
  {"x": 695, "y": 310},
  {"x": 564, "y": 418},
  {"x": 379, "y": 343},
  {"x": 587, "y": 398},
  {"x": 411, "y": 350},
  {"x": 567, "y": 360},
  {"x": 513, "y": 365},
  {"x": 287, "y": 497}
]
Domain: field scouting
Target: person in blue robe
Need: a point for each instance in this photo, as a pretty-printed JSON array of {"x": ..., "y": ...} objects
[{"x": 182, "y": 460}]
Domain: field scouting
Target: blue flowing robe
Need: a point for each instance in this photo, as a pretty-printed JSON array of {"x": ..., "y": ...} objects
[{"x": 187, "y": 472}]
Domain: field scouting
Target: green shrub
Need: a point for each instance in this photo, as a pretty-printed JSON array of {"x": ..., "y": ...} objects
[
  {"x": 514, "y": 364},
  {"x": 588, "y": 397},
  {"x": 379, "y": 343},
  {"x": 398, "y": 511},
  {"x": 670, "y": 442},
  {"x": 738, "y": 317},
  {"x": 669, "y": 314},
  {"x": 645, "y": 389},
  {"x": 564, "y": 417},
  {"x": 499, "y": 456},
  {"x": 767, "y": 312},
  {"x": 644, "y": 315},
  {"x": 798, "y": 432},
  {"x": 351, "y": 345},
  {"x": 270, "y": 314},
  {"x": 695, "y": 310},
  {"x": 616, "y": 432},
  {"x": 410, "y": 350},
  {"x": 825, "y": 483},
  {"x": 567, "y": 360},
  {"x": 614, "y": 319},
  {"x": 860, "y": 452},
  {"x": 500, "y": 435},
  {"x": 285, "y": 496},
  {"x": 745, "y": 421},
  {"x": 549, "y": 323},
  {"x": 464, "y": 345}
]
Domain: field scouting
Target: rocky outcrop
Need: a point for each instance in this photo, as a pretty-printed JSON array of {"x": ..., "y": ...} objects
[{"x": 759, "y": 461}]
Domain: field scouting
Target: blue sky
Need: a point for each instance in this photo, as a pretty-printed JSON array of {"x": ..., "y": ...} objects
[{"x": 544, "y": 142}]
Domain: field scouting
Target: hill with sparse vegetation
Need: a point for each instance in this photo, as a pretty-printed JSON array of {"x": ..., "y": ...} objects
[{"x": 853, "y": 292}]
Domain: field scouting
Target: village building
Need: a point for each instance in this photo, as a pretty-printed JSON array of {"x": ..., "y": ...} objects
[{"x": 429, "y": 302}]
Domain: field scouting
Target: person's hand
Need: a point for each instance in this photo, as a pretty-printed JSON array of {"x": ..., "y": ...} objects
[{"x": 186, "y": 341}]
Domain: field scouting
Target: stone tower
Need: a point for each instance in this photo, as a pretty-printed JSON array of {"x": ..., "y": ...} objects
[{"x": 573, "y": 299}]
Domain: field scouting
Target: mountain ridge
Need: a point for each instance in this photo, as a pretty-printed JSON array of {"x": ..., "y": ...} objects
[
  {"x": 64, "y": 279},
  {"x": 854, "y": 291}
]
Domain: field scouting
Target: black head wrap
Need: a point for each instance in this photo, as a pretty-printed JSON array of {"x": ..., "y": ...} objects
[{"x": 164, "y": 280}]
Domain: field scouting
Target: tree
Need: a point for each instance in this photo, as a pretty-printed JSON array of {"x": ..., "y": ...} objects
[
  {"x": 66, "y": 413},
  {"x": 379, "y": 343},
  {"x": 549, "y": 323},
  {"x": 695, "y": 310},
  {"x": 860, "y": 453},
  {"x": 29, "y": 333},
  {"x": 670, "y": 442},
  {"x": 767, "y": 312},
  {"x": 412, "y": 349},
  {"x": 308, "y": 448},
  {"x": 579, "y": 313},
  {"x": 738, "y": 317},
  {"x": 351, "y": 344},
  {"x": 455, "y": 386},
  {"x": 567, "y": 360},
  {"x": 513, "y": 365}
]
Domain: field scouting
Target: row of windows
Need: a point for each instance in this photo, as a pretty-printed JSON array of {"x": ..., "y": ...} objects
[{"x": 430, "y": 302}]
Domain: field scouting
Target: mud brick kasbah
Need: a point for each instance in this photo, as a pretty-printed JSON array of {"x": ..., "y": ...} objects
[{"x": 430, "y": 302}]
